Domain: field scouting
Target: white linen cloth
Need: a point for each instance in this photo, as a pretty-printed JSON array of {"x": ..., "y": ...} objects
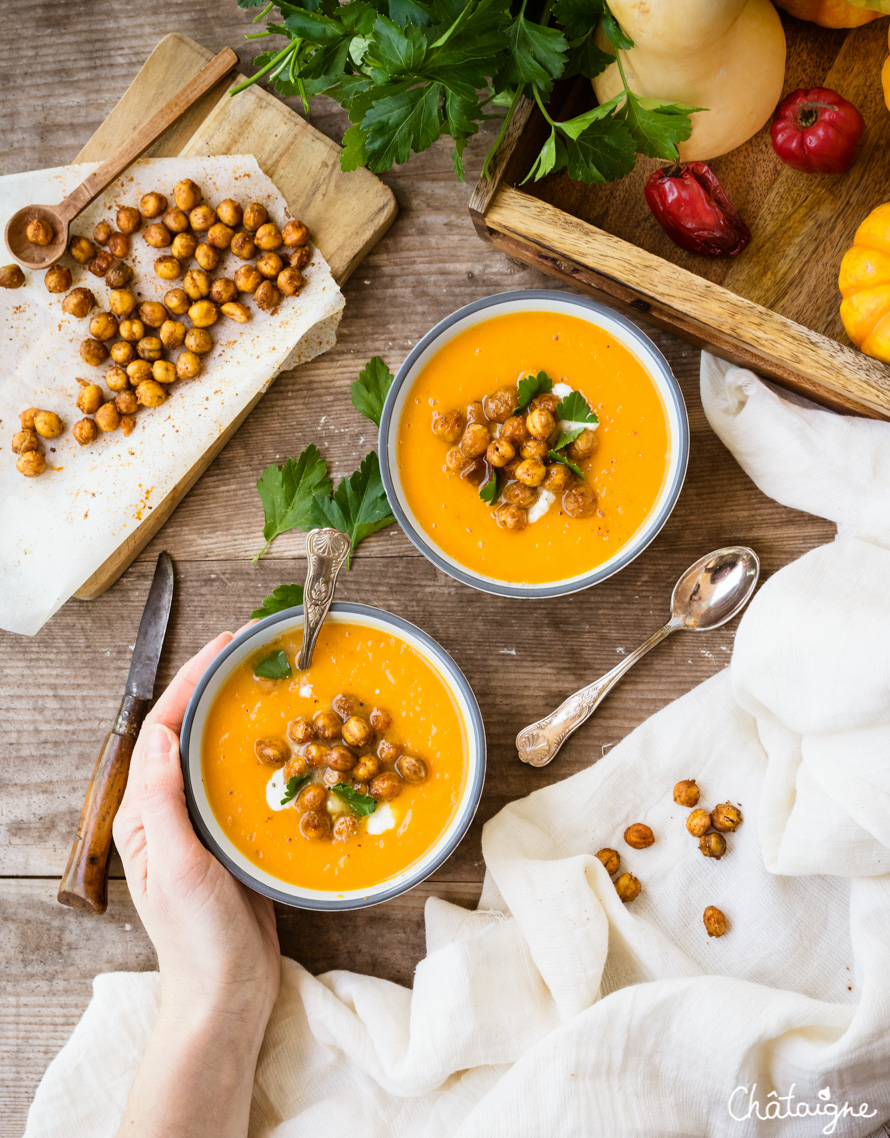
[{"x": 554, "y": 1009}]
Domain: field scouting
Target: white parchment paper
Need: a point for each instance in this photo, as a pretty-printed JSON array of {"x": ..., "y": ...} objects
[{"x": 56, "y": 530}]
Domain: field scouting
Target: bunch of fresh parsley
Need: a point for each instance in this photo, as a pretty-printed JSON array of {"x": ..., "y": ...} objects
[{"x": 409, "y": 71}]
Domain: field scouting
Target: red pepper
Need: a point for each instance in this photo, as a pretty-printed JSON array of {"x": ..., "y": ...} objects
[
  {"x": 692, "y": 207},
  {"x": 817, "y": 131}
]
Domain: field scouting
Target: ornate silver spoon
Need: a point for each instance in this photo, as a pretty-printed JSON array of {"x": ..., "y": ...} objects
[
  {"x": 710, "y": 592},
  {"x": 326, "y": 553}
]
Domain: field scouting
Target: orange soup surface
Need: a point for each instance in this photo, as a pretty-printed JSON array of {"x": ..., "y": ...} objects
[
  {"x": 379, "y": 670},
  {"x": 627, "y": 470}
]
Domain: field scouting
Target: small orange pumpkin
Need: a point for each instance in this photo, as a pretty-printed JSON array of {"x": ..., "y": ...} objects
[
  {"x": 864, "y": 282},
  {"x": 828, "y": 13},
  {"x": 885, "y": 75}
]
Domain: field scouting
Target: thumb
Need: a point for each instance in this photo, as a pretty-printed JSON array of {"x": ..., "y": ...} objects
[{"x": 158, "y": 792}]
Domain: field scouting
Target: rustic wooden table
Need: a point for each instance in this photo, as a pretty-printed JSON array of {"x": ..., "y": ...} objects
[{"x": 62, "y": 67}]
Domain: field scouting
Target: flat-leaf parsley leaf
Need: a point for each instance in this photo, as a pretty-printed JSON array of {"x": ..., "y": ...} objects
[
  {"x": 362, "y": 804},
  {"x": 557, "y": 457},
  {"x": 294, "y": 786},
  {"x": 369, "y": 390},
  {"x": 532, "y": 386},
  {"x": 489, "y": 492},
  {"x": 359, "y": 506},
  {"x": 275, "y": 666},
  {"x": 287, "y": 493},
  {"x": 575, "y": 409},
  {"x": 284, "y": 597}
]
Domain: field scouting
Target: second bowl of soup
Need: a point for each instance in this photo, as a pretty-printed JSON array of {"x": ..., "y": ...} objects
[{"x": 533, "y": 443}]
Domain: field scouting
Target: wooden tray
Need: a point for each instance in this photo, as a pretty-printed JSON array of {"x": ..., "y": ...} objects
[
  {"x": 774, "y": 308},
  {"x": 347, "y": 214}
]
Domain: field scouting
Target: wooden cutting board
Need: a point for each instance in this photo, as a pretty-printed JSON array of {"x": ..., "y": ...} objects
[{"x": 347, "y": 214}]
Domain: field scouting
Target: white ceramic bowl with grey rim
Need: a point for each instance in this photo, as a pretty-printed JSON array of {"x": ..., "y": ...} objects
[
  {"x": 537, "y": 300},
  {"x": 245, "y": 645}
]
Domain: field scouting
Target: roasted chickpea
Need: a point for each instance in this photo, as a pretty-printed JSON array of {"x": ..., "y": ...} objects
[
  {"x": 196, "y": 284},
  {"x": 118, "y": 245},
  {"x": 531, "y": 472},
  {"x": 327, "y": 724},
  {"x": 57, "y": 279},
  {"x": 686, "y": 792},
  {"x": 247, "y": 279},
  {"x": 168, "y": 268},
  {"x": 345, "y": 828},
  {"x": 540, "y": 423},
  {"x": 103, "y": 326},
  {"x": 511, "y": 517},
  {"x": 243, "y": 246},
  {"x": 152, "y": 313},
  {"x": 116, "y": 379},
  {"x": 230, "y": 212},
  {"x": 547, "y": 401},
  {"x": 712, "y": 845},
  {"x": 698, "y": 822},
  {"x": 455, "y": 460},
  {"x": 557, "y": 478},
  {"x": 316, "y": 754},
  {"x": 176, "y": 219},
  {"x": 476, "y": 472},
  {"x": 270, "y": 265},
  {"x": 340, "y": 758},
  {"x": 122, "y": 353},
  {"x": 85, "y": 432},
  {"x": 32, "y": 463},
  {"x": 138, "y": 371},
  {"x": 381, "y": 720},
  {"x": 346, "y": 705},
  {"x": 295, "y": 767},
  {"x": 254, "y": 216},
  {"x": 534, "y": 448},
  {"x": 584, "y": 446},
  {"x": 726, "y": 818},
  {"x": 315, "y": 826},
  {"x": 150, "y": 393},
  {"x": 610, "y": 859},
  {"x": 386, "y": 786},
  {"x": 48, "y": 425},
  {"x": 289, "y": 281},
  {"x": 203, "y": 313},
  {"x": 187, "y": 194},
  {"x": 294, "y": 233},
  {"x": 152, "y": 205},
  {"x": 627, "y": 887},
  {"x": 579, "y": 501},
  {"x": 184, "y": 246},
  {"x": 300, "y": 257},
  {"x": 357, "y": 731},
  {"x": 78, "y": 302},
  {"x": 388, "y": 752},
  {"x": 129, "y": 219},
  {"x": 90, "y": 398},
  {"x": 188, "y": 365},
  {"x": 157, "y": 235},
  {"x": 149, "y": 348},
  {"x": 198, "y": 340},
  {"x": 448, "y": 425},
  {"x": 268, "y": 237},
  {"x": 11, "y": 276},
  {"x": 499, "y": 406},
  {"x": 202, "y": 217},
  {"x": 122, "y": 302},
  {"x": 639, "y": 836},
  {"x": 235, "y": 311},
  {"x": 102, "y": 232},
  {"x": 499, "y": 453},
  {"x": 131, "y": 329},
  {"x": 312, "y": 797},
  {"x": 715, "y": 921},
  {"x": 518, "y": 494},
  {"x": 411, "y": 768},
  {"x": 513, "y": 430},
  {"x": 366, "y": 768},
  {"x": 475, "y": 440},
  {"x": 81, "y": 250},
  {"x": 271, "y": 751},
  {"x": 23, "y": 441},
  {"x": 267, "y": 295},
  {"x": 172, "y": 334},
  {"x": 93, "y": 352},
  {"x": 177, "y": 301},
  {"x": 119, "y": 275},
  {"x": 27, "y": 418},
  {"x": 100, "y": 264},
  {"x": 128, "y": 423},
  {"x": 220, "y": 235},
  {"x": 223, "y": 290},
  {"x": 126, "y": 402},
  {"x": 511, "y": 468},
  {"x": 39, "y": 232},
  {"x": 163, "y": 371},
  {"x": 108, "y": 417},
  {"x": 207, "y": 257},
  {"x": 300, "y": 730},
  {"x": 475, "y": 414}
]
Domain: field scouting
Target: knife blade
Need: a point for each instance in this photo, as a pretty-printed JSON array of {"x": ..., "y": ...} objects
[{"x": 84, "y": 882}]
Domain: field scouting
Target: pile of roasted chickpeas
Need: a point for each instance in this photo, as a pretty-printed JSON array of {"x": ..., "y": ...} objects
[
  {"x": 493, "y": 437},
  {"x": 340, "y": 746},
  {"x": 709, "y": 828},
  {"x": 138, "y": 337}
]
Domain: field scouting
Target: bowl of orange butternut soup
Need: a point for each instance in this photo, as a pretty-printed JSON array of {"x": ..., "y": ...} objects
[
  {"x": 533, "y": 443},
  {"x": 346, "y": 784}
]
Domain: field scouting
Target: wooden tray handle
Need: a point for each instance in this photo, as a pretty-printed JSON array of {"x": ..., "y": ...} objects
[{"x": 84, "y": 882}]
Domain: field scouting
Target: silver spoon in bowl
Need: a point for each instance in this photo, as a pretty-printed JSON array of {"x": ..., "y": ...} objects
[
  {"x": 711, "y": 592},
  {"x": 326, "y": 553}
]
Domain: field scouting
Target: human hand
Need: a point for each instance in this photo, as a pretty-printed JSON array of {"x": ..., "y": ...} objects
[{"x": 216, "y": 940}]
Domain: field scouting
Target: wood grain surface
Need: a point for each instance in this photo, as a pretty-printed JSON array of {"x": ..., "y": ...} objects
[{"x": 60, "y": 690}]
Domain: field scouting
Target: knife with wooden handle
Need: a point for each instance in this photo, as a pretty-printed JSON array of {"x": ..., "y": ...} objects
[{"x": 84, "y": 882}]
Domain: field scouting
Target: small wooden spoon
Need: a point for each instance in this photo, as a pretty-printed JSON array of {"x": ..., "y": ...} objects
[{"x": 60, "y": 216}]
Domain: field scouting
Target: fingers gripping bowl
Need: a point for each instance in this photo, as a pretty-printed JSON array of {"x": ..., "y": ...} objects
[
  {"x": 533, "y": 443},
  {"x": 341, "y": 786}
]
